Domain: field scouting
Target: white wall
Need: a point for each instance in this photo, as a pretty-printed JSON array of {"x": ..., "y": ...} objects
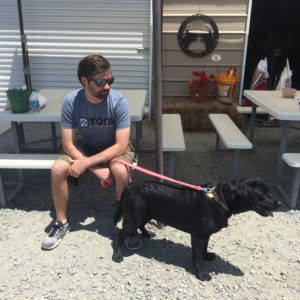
[{"x": 61, "y": 32}]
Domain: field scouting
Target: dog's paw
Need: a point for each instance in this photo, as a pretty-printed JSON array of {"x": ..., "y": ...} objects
[
  {"x": 203, "y": 276},
  {"x": 159, "y": 225},
  {"x": 117, "y": 257},
  {"x": 133, "y": 242},
  {"x": 148, "y": 234},
  {"x": 209, "y": 256}
]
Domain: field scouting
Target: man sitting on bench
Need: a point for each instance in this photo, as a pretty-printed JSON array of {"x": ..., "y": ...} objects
[{"x": 101, "y": 117}]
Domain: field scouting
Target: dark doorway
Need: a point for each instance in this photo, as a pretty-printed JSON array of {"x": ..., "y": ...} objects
[{"x": 275, "y": 34}]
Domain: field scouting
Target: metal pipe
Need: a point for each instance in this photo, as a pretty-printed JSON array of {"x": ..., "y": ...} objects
[
  {"x": 157, "y": 29},
  {"x": 245, "y": 51},
  {"x": 150, "y": 62},
  {"x": 26, "y": 66}
]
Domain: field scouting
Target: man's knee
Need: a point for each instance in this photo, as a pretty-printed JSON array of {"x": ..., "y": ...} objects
[
  {"x": 119, "y": 172},
  {"x": 60, "y": 169}
]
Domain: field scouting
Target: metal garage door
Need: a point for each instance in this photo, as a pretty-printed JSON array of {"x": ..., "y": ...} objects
[{"x": 61, "y": 32}]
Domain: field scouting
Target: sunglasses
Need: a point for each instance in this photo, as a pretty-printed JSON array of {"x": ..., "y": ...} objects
[{"x": 103, "y": 82}]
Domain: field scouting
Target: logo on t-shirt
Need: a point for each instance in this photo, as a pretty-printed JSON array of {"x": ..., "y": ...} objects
[{"x": 84, "y": 122}]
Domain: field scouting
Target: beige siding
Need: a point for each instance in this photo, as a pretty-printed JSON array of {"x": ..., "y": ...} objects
[
  {"x": 230, "y": 17},
  {"x": 189, "y": 7}
]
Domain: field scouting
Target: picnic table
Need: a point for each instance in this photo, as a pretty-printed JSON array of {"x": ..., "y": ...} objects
[
  {"x": 51, "y": 113},
  {"x": 283, "y": 109}
]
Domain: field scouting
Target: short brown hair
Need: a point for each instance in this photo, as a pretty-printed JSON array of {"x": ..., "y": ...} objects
[{"x": 92, "y": 65}]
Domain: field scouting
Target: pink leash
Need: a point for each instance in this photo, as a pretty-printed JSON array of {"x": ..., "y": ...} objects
[{"x": 157, "y": 175}]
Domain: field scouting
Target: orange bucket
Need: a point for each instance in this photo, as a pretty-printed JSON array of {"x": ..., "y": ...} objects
[{"x": 227, "y": 84}]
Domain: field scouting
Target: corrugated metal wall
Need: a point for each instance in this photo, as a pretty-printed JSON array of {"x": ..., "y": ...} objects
[
  {"x": 61, "y": 32},
  {"x": 230, "y": 17}
]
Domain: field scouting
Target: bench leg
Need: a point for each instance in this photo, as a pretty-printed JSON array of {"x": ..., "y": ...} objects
[
  {"x": 171, "y": 159},
  {"x": 2, "y": 195},
  {"x": 235, "y": 169},
  {"x": 217, "y": 142},
  {"x": 295, "y": 188},
  {"x": 16, "y": 187},
  {"x": 245, "y": 123}
]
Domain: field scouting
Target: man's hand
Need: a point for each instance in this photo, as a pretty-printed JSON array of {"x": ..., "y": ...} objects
[
  {"x": 101, "y": 173},
  {"x": 78, "y": 166}
]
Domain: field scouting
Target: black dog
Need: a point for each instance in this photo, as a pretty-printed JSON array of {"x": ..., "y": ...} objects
[{"x": 199, "y": 213}]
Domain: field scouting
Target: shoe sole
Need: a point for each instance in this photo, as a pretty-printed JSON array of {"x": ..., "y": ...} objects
[{"x": 52, "y": 247}]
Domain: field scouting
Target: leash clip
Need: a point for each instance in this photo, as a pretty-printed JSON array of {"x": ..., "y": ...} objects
[{"x": 208, "y": 189}]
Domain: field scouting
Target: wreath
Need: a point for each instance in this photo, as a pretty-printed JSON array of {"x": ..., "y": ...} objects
[{"x": 198, "y": 29}]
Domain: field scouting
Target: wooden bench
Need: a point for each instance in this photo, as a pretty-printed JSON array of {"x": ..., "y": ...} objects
[
  {"x": 231, "y": 136},
  {"x": 246, "y": 111},
  {"x": 21, "y": 162},
  {"x": 293, "y": 160},
  {"x": 172, "y": 138}
]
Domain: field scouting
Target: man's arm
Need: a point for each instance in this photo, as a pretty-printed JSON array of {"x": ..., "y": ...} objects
[
  {"x": 68, "y": 138},
  {"x": 83, "y": 163},
  {"x": 119, "y": 148}
]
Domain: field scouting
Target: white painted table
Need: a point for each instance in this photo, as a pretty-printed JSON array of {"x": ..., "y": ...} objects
[
  {"x": 283, "y": 109},
  {"x": 51, "y": 113}
]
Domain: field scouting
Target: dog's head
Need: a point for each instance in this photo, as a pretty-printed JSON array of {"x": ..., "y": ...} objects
[{"x": 249, "y": 194}]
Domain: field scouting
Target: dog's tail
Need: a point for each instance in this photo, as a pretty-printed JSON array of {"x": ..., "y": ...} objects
[{"x": 118, "y": 214}]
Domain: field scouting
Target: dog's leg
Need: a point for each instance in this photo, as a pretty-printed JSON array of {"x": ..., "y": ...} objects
[
  {"x": 117, "y": 251},
  {"x": 145, "y": 232},
  {"x": 118, "y": 214},
  {"x": 159, "y": 225},
  {"x": 131, "y": 222},
  {"x": 197, "y": 251},
  {"x": 210, "y": 256}
]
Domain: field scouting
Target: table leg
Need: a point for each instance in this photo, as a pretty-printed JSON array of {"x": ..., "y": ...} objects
[
  {"x": 17, "y": 138},
  {"x": 54, "y": 137},
  {"x": 21, "y": 134},
  {"x": 252, "y": 123},
  {"x": 282, "y": 148},
  {"x": 138, "y": 136}
]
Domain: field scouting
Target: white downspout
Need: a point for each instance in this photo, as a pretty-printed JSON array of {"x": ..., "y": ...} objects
[
  {"x": 245, "y": 51},
  {"x": 150, "y": 61}
]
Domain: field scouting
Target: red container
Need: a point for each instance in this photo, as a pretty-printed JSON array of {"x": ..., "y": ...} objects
[{"x": 198, "y": 93}]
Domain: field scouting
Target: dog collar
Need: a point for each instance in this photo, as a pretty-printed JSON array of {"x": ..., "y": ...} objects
[{"x": 211, "y": 194}]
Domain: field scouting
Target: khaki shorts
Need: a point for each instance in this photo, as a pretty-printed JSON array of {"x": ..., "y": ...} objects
[{"x": 129, "y": 156}]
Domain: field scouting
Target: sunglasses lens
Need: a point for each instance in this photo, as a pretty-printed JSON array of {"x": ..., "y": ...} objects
[
  {"x": 103, "y": 82},
  {"x": 111, "y": 80}
]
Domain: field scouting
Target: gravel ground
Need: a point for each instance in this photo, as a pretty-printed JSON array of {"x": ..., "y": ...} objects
[{"x": 257, "y": 258}]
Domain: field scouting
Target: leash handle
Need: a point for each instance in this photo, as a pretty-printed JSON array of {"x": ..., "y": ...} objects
[
  {"x": 105, "y": 183},
  {"x": 157, "y": 175}
]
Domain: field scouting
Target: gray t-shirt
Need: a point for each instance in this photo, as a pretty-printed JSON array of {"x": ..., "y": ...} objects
[{"x": 96, "y": 123}]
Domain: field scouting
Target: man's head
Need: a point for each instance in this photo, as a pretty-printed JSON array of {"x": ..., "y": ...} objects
[{"x": 94, "y": 73}]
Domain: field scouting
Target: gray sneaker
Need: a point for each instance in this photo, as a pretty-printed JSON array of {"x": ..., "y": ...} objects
[{"x": 54, "y": 237}]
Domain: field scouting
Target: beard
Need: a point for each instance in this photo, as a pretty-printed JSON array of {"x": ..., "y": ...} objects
[{"x": 102, "y": 94}]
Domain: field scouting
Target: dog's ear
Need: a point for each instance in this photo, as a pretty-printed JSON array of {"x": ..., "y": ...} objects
[
  {"x": 257, "y": 184},
  {"x": 228, "y": 190}
]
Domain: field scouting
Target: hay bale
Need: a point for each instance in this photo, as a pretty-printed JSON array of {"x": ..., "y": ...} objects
[{"x": 194, "y": 115}]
